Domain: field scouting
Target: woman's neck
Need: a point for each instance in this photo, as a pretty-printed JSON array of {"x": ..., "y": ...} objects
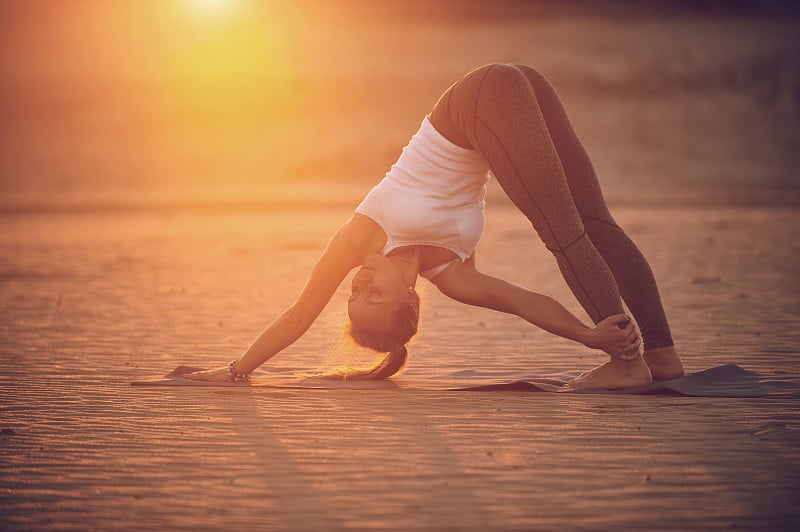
[{"x": 406, "y": 260}]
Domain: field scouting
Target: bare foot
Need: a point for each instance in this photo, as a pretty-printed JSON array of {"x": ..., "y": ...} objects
[
  {"x": 664, "y": 363},
  {"x": 615, "y": 374}
]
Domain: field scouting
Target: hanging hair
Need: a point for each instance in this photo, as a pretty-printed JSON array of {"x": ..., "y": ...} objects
[{"x": 405, "y": 322}]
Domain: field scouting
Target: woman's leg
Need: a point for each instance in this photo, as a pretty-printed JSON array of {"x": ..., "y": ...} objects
[
  {"x": 550, "y": 177},
  {"x": 630, "y": 268},
  {"x": 495, "y": 111},
  {"x": 504, "y": 122}
]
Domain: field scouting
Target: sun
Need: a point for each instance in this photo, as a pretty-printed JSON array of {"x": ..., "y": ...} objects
[
  {"x": 213, "y": 13},
  {"x": 211, "y": 6}
]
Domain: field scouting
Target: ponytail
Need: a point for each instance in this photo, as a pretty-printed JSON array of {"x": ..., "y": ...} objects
[{"x": 391, "y": 364}]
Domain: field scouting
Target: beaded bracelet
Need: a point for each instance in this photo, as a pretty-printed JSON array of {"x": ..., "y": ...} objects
[{"x": 235, "y": 376}]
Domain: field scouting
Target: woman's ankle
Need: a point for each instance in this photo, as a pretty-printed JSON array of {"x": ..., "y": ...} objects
[{"x": 664, "y": 363}]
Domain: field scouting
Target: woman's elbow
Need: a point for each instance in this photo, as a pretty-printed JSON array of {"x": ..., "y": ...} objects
[{"x": 296, "y": 317}]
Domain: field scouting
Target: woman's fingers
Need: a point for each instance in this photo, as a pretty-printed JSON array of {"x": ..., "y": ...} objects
[
  {"x": 632, "y": 339},
  {"x": 620, "y": 320},
  {"x": 623, "y": 338},
  {"x": 626, "y": 347},
  {"x": 629, "y": 355},
  {"x": 629, "y": 328},
  {"x": 632, "y": 350},
  {"x": 220, "y": 374}
]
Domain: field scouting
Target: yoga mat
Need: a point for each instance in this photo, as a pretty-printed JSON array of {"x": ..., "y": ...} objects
[{"x": 727, "y": 380}]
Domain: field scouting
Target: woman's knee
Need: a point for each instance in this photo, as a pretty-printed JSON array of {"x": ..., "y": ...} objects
[
  {"x": 505, "y": 75},
  {"x": 529, "y": 71},
  {"x": 503, "y": 86},
  {"x": 535, "y": 78}
]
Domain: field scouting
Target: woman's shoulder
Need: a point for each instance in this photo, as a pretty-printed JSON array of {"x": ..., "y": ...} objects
[
  {"x": 352, "y": 242},
  {"x": 364, "y": 227},
  {"x": 362, "y": 234}
]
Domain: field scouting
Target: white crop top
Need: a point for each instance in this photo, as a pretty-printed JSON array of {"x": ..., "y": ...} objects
[{"x": 432, "y": 196}]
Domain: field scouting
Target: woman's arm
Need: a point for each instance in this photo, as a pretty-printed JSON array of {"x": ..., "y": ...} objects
[
  {"x": 464, "y": 283},
  {"x": 345, "y": 251}
]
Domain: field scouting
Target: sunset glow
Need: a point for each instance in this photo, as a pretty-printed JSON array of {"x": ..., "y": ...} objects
[
  {"x": 180, "y": 183},
  {"x": 211, "y": 6}
]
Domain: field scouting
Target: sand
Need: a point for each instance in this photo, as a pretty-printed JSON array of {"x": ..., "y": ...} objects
[
  {"x": 93, "y": 301},
  {"x": 164, "y": 193}
]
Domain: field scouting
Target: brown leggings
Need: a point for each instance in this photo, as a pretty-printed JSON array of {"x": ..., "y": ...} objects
[{"x": 514, "y": 118}]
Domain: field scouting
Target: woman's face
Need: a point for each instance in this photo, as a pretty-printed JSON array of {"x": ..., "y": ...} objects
[{"x": 377, "y": 289}]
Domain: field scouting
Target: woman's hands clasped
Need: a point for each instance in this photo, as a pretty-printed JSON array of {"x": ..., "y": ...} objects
[{"x": 617, "y": 336}]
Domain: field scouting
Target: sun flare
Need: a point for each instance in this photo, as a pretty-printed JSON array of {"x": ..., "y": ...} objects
[
  {"x": 210, "y": 4},
  {"x": 211, "y": 7}
]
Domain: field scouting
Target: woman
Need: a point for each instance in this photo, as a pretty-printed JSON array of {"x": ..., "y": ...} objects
[{"x": 426, "y": 217}]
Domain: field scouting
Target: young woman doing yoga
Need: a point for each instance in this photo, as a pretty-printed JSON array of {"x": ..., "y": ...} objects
[{"x": 427, "y": 216}]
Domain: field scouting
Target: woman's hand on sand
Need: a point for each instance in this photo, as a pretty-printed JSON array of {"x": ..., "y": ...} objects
[
  {"x": 617, "y": 336},
  {"x": 209, "y": 375}
]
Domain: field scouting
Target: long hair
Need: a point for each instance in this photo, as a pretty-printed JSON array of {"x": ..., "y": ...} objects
[{"x": 405, "y": 322}]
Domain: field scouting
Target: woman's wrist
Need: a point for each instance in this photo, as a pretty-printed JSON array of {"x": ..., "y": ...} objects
[
  {"x": 246, "y": 363},
  {"x": 586, "y": 336},
  {"x": 235, "y": 373}
]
